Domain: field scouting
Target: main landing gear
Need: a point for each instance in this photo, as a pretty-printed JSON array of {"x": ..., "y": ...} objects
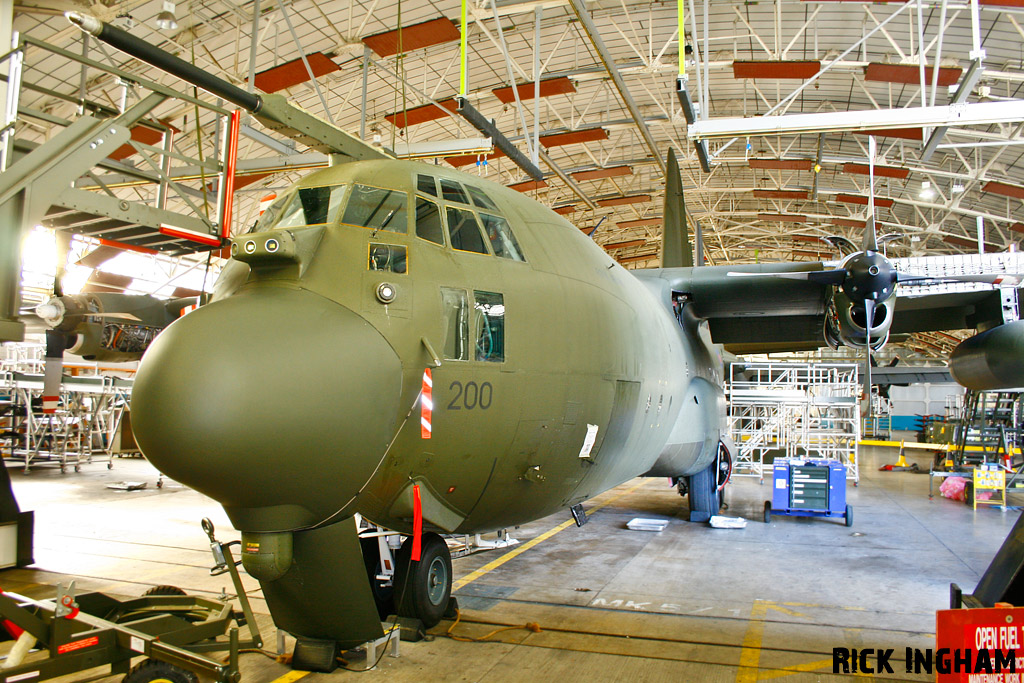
[{"x": 706, "y": 488}]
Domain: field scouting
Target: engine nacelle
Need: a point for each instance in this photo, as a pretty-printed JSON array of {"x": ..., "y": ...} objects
[
  {"x": 991, "y": 360},
  {"x": 110, "y": 326},
  {"x": 111, "y": 341},
  {"x": 846, "y": 323}
]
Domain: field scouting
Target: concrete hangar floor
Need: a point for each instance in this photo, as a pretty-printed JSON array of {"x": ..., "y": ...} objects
[{"x": 690, "y": 603}]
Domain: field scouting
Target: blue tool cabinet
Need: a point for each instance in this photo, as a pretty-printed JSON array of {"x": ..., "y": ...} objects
[{"x": 808, "y": 488}]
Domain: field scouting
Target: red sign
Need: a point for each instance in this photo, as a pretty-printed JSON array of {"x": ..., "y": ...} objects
[
  {"x": 971, "y": 642},
  {"x": 77, "y": 645}
]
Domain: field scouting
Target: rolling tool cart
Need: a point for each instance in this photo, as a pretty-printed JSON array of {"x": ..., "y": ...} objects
[{"x": 808, "y": 488}]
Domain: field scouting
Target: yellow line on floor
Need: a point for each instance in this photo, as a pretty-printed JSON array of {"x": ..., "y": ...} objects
[
  {"x": 750, "y": 655},
  {"x": 291, "y": 676},
  {"x": 796, "y": 668},
  {"x": 490, "y": 566}
]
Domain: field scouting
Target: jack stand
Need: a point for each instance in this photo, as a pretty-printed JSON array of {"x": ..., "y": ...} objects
[{"x": 391, "y": 637}]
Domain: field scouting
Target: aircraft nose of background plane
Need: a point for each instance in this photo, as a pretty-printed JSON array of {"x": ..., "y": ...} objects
[{"x": 276, "y": 402}]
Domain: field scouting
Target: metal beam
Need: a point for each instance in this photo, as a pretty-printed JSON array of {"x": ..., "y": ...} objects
[
  {"x": 587, "y": 22},
  {"x": 964, "y": 89},
  {"x": 572, "y": 184},
  {"x": 962, "y": 114},
  {"x": 478, "y": 121}
]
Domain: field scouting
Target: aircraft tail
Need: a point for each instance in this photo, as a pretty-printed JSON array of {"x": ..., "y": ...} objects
[{"x": 676, "y": 250}]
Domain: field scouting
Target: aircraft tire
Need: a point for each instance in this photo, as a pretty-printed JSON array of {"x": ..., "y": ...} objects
[
  {"x": 704, "y": 499},
  {"x": 154, "y": 671},
  {"x": 383, "y": 596},
  {"x": 423, "y": 589},
  {"x": 164, "y": 590}
]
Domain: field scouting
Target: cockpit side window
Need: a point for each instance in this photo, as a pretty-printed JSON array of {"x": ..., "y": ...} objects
[
  {"x": 464, "y": 232},
  {"x": 426, "y": 184},
  {"x": 455, "y": 315},
  {"x": 307, "y": 206},
  {"x": 489, "y": 326},
  {"x": 481, "y": 199},
  {"x": 377, "y": 209},
  {"x": 503, "y": 242},
  {"x": 453, "y": 192},
  {"x": 428, "y": 221}
]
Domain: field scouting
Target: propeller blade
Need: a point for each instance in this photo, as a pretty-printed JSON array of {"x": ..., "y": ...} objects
[
  {"x": 870, "y": 241},
  {"x": 869, "y": 319},
  {"x": 53, "y": 369},
  {"x": 841, "y": 244},
  {"x": 999, "y": 279},
  {"x": 822, "y": 277}
]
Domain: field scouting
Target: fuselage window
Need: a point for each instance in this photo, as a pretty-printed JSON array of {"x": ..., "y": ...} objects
[
  {"x": 428, "y": 221},
  {"x": 308, "y": 206},
  {"x": 481, "y": 199},
  {"x": 489, "y": 326},
  {"x": 503, "y": 242},
  {"x": 388, "y": 257},
  {"x": 377, "y": 209},
  {"x": 426, "y": 184},
  {"x": 453, "y": 192},
  {"x": 455, "y": 317},
  {"x": 464, "y": 232}
]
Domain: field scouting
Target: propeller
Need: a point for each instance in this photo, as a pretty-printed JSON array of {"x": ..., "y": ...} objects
[{"x": 874, "y": 276}]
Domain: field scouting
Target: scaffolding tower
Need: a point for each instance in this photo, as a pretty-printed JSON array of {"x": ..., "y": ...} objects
[
  {"x": 87, "y": 426},
  {"x": 796, "y": 409}
]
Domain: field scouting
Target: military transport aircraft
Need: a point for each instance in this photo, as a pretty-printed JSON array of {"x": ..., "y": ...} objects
[{"x": 439, "y": 353}]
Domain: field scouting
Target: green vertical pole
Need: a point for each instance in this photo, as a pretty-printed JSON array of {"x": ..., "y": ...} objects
[
  {"x": 462, "y": 48},
  {"x": 682, "y": 38}
]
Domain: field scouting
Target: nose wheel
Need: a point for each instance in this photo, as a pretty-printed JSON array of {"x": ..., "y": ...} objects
[{"x": 423, "y": 589}]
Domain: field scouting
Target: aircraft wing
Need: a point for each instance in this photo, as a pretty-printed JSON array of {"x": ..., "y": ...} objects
[
  {"x": 755, "y": 313},
  {"x": 767, "y": 308}
]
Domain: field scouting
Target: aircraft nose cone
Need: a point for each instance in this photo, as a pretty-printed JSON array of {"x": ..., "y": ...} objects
[{"x": 277, "y": 403}]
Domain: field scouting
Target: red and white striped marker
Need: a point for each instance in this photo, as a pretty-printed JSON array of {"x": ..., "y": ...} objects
[
  {"x": 50, "y": 404},
  {"x": 426, "y": 405}
]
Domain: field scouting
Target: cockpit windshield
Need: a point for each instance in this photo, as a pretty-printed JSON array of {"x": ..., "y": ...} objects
[
  {"x": 306, "y": 206},
  {"x": 377, "y": 209}
]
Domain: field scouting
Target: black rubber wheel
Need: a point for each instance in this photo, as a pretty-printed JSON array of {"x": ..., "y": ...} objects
[
  {"x": 383, "y": 595},
  {"x": 767, "y": 512},
  {"x": 704, "y": 498},
  {"x": 153, "y": 671},
  {"x": 164, "y": 590},
  {"x": 969, "y": 493},
  {"x": 849, "y": 516},
  {"x": 422, "y": 589}
]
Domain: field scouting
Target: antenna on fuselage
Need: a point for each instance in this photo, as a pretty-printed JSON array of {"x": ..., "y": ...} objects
[{"x": 676, "y": 250}]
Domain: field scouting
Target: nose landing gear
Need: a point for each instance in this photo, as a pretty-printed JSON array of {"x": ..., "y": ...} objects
[
  {"x": 423, "y": 589},
  {"x": 417, "y": 589}
]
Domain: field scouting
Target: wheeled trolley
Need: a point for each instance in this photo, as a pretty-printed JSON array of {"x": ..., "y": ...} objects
[
  {"x": 808, "y": 488},
  {"x": 172, "y": 630}
]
